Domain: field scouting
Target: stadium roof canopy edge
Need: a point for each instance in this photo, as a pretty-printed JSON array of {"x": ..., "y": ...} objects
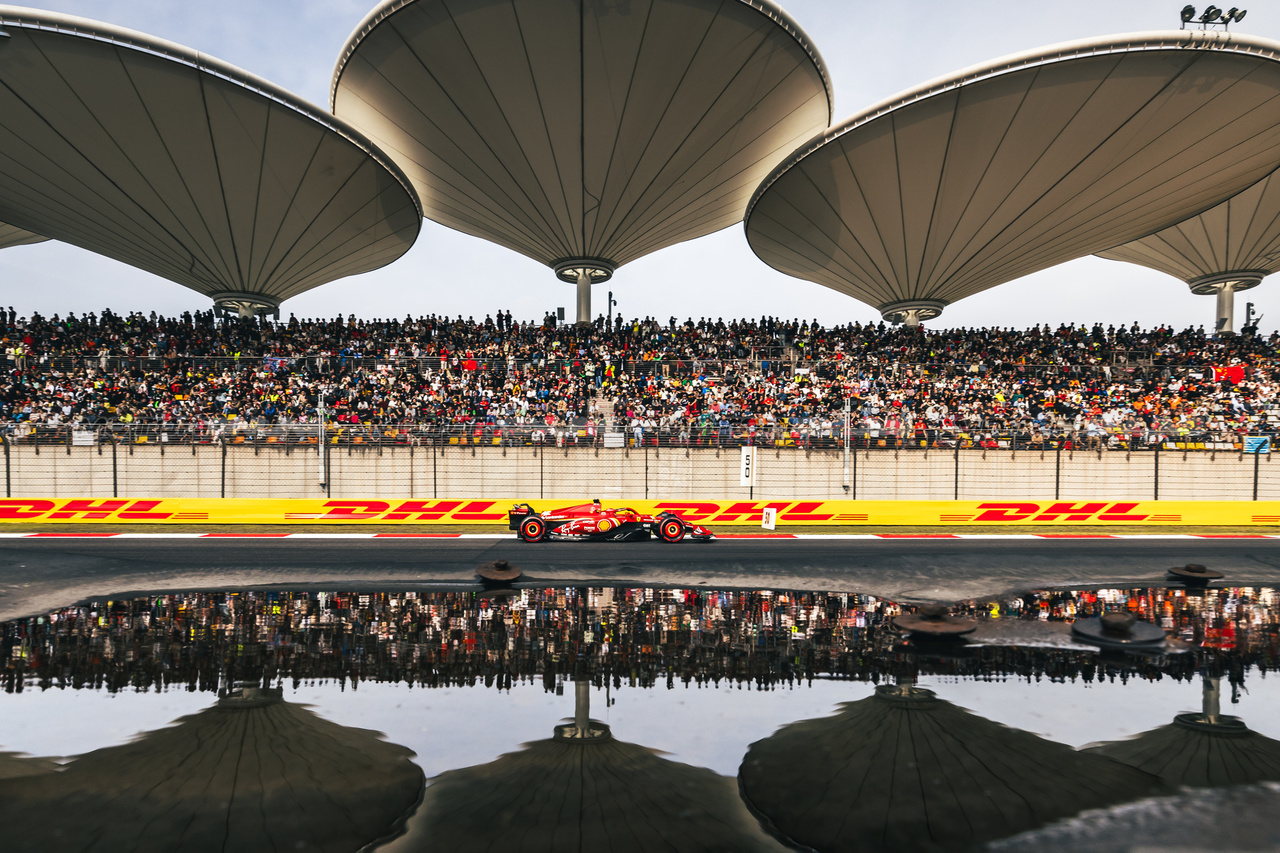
[
  {"x": 213, "y": 178},
  {"x": 767, "y": 8},
  {"x": 985, "y": 194}
]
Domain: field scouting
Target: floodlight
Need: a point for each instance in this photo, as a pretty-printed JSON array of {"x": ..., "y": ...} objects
[
  {"x": 1210, "y": 15},
  {"x": 1239, "y": 16},
  {"x": 1188, "y": 12}
]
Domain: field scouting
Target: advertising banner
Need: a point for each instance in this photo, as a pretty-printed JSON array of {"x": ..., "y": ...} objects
[{"x": 711, "y": 512}]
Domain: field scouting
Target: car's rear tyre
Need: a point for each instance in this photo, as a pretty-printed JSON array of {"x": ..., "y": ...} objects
[
  {"x": 533, "y": 529},
  {"x": 671, "y": 530}
]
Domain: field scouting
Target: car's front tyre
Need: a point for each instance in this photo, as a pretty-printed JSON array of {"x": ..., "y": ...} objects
[{"x": 671, "y": 530}]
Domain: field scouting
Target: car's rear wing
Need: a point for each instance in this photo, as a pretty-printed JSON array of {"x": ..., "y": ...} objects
[{"x": 517, "y": 514}]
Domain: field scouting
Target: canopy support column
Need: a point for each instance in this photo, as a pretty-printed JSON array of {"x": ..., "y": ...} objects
[
  {"x": 911, "y": 312},
  {"x": 1224, "y": 287},
  {"x": 582, "y": 704},
  {"x": 1225, "y": 321},
  {"x": 584, "y": 298}
]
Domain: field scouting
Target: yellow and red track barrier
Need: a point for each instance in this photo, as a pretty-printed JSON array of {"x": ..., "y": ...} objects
[{"x": 951, "y": 514}]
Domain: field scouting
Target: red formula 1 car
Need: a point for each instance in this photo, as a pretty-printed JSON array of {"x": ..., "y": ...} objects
[{"x": 592, "y": 521}]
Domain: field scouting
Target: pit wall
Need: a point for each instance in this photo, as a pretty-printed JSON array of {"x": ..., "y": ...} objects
[{"x": 566, "y": 474}]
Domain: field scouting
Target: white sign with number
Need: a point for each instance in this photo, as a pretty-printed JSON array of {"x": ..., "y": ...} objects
[
  {"x": 769, "y": 518},
  {"x": 747, "y": 472}
]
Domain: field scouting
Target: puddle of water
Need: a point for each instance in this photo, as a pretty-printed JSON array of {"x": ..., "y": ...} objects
[{"x": 707, "y": 685}]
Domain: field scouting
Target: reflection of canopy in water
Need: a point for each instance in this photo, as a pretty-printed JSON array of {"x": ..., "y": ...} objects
[
  {"x": 998, "y": 171},
  {"x": 271, "y": 775},
  {"x": 13, "y": 765},
  {"x": 902, "y": 770},
  {"x": 11, "y": 236},
  {"x": 577, "y": 794},
  {"x": 1202, "y": 750},
  {"x": 175, "y": 163}
]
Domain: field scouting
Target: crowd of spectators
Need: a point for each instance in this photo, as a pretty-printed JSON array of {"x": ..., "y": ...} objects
[{"x": 505, "y": 381}]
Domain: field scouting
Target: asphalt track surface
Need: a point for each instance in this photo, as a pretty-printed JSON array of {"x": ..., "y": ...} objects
[{"x": 41, "y": 574}]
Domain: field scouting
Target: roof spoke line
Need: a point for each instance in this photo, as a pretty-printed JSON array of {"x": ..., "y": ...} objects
[
  {"x": 965, "y": 254},
  {"x": 86, "y": 159},
  {"x": 638, "y": 231},
  {"x": 497, "y": 160},
  {"x": 622, "y": 120},
  {"x": 182, "y": 178},
  {"x": 1170, "y": 186},
  {"x": 631, "y": 222},
  {"x": 293, "y": 204},
  {"x": 640, "y": 225},
  {"x": 656, "y": 125},
  {"x": 565, "y": 236},
  {"x": 236, "y": 283}
]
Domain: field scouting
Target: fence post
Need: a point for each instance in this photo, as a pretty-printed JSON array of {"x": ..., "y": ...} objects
[
  {"x": 542, "y": 452},
  {"x": 956, "y": 489},
  {"x": 1057, "y": 473},
  {"x": 853, "y": 485},
  {"x": 646, "y": 472},
  {"x": 1159, "y": 441},
  {"x": 224, "y": 469},
  {"x": 115, "y": 470},
  {"x": 435, "y": 474},
  {"x": 8, "y": 483},
  {"x": 1256, "y": 456}
]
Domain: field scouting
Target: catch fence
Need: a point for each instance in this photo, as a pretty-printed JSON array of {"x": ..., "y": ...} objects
[{"x": 416, "y": 462}]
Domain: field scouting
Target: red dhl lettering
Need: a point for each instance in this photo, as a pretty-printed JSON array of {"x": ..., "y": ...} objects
[
  {"x": 475, "y": 511},
  {"x": 804, "y": 511},
  {"x": 748, "y": 510},
  {"x": 1119, "y": 512},
  {"x": 88, "y": 508},
  {"x": 24, "y": 508},
  {"x": 1059, "y": 511},
  {"x": 141, "y": 511},
  {"x": 1070, "y": 511},
  {"x": 1007, "y": 512},
  {"x": 691, "y": 511},
  {"x": 423, "y": 510},
  {"x": 356, "y": 509}
]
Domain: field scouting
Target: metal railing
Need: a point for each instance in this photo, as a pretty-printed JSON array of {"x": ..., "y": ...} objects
[{"x": 587, "y": 434}]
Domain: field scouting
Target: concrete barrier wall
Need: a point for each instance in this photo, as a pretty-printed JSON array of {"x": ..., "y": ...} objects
[{"x": 666, "y": 473}]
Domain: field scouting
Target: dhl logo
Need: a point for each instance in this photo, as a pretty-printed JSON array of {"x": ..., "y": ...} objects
[
  {"x": 88, "y": 509},
  {"x": 440, "y": 510},
  {"x": 727, "y": 512},
  {"x": 1055, "y": 511}
]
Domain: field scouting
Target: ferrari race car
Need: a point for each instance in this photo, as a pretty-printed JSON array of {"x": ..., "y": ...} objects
[{"x": 592, "y": 521}]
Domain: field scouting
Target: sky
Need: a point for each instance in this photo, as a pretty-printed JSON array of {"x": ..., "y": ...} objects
[{"x": 872, "y": 50}]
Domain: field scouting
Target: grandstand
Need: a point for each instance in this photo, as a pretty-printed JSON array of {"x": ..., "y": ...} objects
[{"x": 430, "y": 380}]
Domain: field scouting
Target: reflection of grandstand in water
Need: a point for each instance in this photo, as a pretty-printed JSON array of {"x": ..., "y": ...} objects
[
  {"x": 634, "y": 636},
  {"x": 237, "y": 776}
]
